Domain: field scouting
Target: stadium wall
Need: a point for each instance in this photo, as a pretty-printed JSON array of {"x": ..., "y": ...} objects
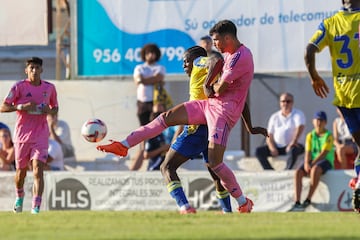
[{"x": 271, "y": 191}]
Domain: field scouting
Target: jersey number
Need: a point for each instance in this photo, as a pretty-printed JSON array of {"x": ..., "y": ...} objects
[{"x": 347, "y": 61}]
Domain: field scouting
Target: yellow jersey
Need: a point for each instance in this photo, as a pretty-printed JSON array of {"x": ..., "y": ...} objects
[
  {"x": 340, "y": 33},
  {"x": 197, "y": 78}
]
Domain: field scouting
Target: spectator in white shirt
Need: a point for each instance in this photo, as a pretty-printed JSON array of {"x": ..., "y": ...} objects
[
  {"x": 55, "y": 160},
  {"x": 286, "y": 134},
  {"x": 60, "y": 132}
]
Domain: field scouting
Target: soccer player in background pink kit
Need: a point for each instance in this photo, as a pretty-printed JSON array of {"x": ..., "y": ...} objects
[
  {"x": 32, "y": 99},
  {"x": 220, "y": 112}
]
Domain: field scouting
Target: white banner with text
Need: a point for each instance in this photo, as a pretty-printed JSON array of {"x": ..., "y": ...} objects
[{"x": 123, "y": 190}]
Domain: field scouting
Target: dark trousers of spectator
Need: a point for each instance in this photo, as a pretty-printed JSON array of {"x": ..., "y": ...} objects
[{"x": 263, "y": 152}]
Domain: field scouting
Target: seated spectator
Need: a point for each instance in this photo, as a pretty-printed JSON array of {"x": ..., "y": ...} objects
[
  {"x": 55, "y": 161},
  {"x": 60, "y": 132},
  {"x": 319, "y": 158},
  {"x": 7, "y": 153},
  {"x": 286, "y": 134},
  {"x": 344, "y": 145}
]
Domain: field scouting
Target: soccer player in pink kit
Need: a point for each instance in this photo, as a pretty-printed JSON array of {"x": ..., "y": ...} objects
[
  {"x": 220, "y": 112},
  {"x": 32, "y": 99}
]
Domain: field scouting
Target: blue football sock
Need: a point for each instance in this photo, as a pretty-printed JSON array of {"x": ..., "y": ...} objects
[
  {"x": 176, "y": 191},
  {"x": 357, "y": 167},
  {"x": 224, "y": 200}
]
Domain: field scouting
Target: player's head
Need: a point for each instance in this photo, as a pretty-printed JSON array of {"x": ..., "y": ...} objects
[
  {"x": 150, "y": 53},
  {"x": 33, "y": 67},
  {"x": 34, "y": 60},
  {"x": 224, "y": 27},
  {"x": 224, "y": 36},
  {"x": 189, "y": 56},
  {"x": 351, "y": 3}
]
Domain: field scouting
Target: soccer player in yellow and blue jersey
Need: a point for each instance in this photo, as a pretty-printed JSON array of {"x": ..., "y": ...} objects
[
  {"x": 220, "y": 112},
  {"x": 340, "y": 33}
]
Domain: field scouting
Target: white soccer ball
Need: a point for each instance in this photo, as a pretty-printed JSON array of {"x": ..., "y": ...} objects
[{"x": 94, "y": 130}]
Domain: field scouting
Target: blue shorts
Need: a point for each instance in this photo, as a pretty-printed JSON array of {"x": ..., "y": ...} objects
[
  {"x": 325, "y": 165},
  {"x": 352, "y": 118},
  {"x": 191, "y": 145}
]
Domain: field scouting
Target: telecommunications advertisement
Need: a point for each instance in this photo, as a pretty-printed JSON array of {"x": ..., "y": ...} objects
[{"x": 110, "y": 33}]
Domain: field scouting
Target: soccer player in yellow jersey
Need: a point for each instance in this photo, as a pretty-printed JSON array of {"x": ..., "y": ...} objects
[
  {"x": 341, "y": 34},
  {"x": 193, "y": 139}
]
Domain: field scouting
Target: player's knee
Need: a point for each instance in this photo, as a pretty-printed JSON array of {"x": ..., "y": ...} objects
[{"x": 165, "y": 168}]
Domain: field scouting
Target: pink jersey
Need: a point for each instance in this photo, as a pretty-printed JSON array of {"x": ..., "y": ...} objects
[
  {"x": 238, "y": 72},
  {"x": 223, "y": 111},
  {"x": 32, "y": 127}
]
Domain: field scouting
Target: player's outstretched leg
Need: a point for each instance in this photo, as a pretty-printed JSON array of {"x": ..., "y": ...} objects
[
  {"x": 114, "y": 147},
  {"x": 231, "y": 185},
  {"x": 148, "y": 131}
]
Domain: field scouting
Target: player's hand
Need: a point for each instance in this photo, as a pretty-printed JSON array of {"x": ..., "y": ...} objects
[
  {"x": 45, "y": 108},
  {"x": 260, "y": 130},
  {"x": 320, "y": 87},
  {"x": 30, "y": 106}
]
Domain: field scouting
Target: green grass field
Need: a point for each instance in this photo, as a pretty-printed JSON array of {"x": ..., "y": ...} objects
[{"x": 170, "y": 225}]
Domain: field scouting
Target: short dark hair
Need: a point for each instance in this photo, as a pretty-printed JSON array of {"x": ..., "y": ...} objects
[
  {"x": 196, "y": 51},
  {"x": 150, "y": 47},
  {"x": 224, "y": 27},
  {"x": 35, "y": 60}
]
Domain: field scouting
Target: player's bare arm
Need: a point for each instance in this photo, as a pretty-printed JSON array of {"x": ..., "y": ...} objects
[
  {"x": 246, "y": 117},
  {"x": 215, "y": 66},
  {"x": 317, "y": 82}
]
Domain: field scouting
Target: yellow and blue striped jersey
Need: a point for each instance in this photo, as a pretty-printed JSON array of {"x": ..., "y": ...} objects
[
  {"x": 340, "y": 33},
  {"x": 197, "y": 78}
]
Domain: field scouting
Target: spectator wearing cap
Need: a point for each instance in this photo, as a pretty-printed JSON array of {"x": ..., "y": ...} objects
[
  {"x": 319, "y": 158},
  {"x": 3, "y": 125}
]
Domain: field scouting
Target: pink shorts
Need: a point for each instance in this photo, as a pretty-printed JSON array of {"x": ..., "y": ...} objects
[
  {"x": 26, "y": 152},
  {"x": 202, "y": 112}
]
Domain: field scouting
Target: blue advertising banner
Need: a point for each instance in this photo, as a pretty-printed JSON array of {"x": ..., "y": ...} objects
[
  {"x": 110, "y": 33},
  {"x": 104, "y": 49}
]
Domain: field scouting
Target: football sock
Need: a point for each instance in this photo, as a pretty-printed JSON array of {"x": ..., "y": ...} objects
[
  {"x": 176, "y": 191},
  {"x": 125, "y": 143},
  {"x": 36, "y": 201},
  {"x": 228, "y": 179},
  {"x": 148, "y": 131},
  {"x": 20, "y": 192},
  {"x": 241, "y": 200},
  {"x": 357, "y": 167},
  {"x": 224, "y": 200}
]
